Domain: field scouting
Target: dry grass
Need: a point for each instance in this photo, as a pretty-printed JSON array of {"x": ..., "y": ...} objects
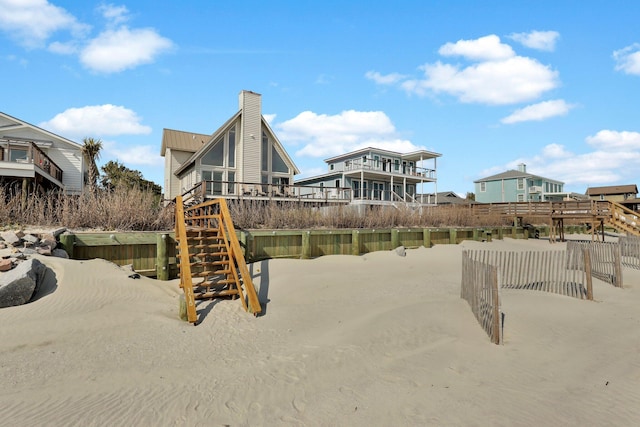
[
  {"x": 123, "y": 210},
  {"x": 254, "y": 215},
  {"x": 135, "y": 210}
]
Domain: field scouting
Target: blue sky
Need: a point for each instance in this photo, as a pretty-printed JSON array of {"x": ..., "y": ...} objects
[{"x": 489, "y": 85}]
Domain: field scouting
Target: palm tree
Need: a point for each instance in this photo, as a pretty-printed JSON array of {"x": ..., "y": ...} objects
[{"x": 91, "y": 152}]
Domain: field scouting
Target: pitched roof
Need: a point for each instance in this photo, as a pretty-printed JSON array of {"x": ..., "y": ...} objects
[
  {"x": 612, "y": 189},
  {"x": 514, "y": 174},
  {"x": 182, "y": 141}
]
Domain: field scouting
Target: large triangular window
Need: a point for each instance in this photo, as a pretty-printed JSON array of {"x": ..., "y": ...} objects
[{"x": 215, "y": 155}]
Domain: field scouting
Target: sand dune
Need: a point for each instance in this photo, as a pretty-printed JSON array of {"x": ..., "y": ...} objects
[{"x": 356, "y": 341}]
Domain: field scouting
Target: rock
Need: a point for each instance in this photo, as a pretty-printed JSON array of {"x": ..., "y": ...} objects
[
  {"x": 44, "y": 250},
  {"x": 29, "y": 251},
  {"x": 17, "y": 286},
  {"x": 400, "y": 251},
  {"x": 10, "y": 237},
  {"x": 60, "y": 253},
  {"x": 3, "y": 245},
  {"x": 6, "y": 264},
  {"x": 31, "y": 239},
  {"x": 48, "y": 240},
  {"x": 58, "y": 231}
]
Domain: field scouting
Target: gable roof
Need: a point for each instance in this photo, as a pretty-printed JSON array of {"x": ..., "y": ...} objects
[
  {"x": 612, "y": 189},
  {"x": 182, "y": 141},
  {"x": 514, "y": 174},
  {"x": 18, "y": 125}
]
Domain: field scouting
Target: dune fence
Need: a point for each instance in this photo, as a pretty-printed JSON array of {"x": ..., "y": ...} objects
[
  {"x": 485, "y": 273},
  {"x": 480, "y": 288},
  {"x": 605, "y": 259},
  {"x": 630, "y": 251},
  {"x": 548, "y": 271}
]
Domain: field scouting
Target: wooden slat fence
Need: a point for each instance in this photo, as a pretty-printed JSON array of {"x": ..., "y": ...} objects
[
  {"x": 547, "y": 271},
  {"x": 630, "y": 251},
  {"x": 480, "y": 288},
  {"x": 606, "y": 259}
]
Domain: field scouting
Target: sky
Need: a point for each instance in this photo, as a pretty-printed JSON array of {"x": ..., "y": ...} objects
[{"x": 489, "y": 85}]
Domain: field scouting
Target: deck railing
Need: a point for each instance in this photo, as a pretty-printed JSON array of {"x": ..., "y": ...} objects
[{"x": 34, "y": 156}]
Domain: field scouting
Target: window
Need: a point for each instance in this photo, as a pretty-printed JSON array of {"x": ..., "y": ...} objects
[
  {"x": 215, "y": 155},
  {"x": 17, "y": 155},
  {"x": 232, "y": 148},
  {"x": 337, "y": 183},
  {"x": 277, "y": 164},
  {"x": 231, "y": 184},
  {"x": 520, "y": 183},
  {"x": 483, "y": 187},
  {"x": 331, "y": 167},
  {"x": 521, "y": 197},
  {"x": 397, "y": 165}
]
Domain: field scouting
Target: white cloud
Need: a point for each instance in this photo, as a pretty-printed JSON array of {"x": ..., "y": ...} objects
[
  {"x": 487, "y": 48},
  {"x": 541, "y": 40},
  {"x": 114, "y": 14},
  {"x": 388, "y": 79},
  {"x": 322, "y": 135},
  {"x": 540, "y": 111},
  {"x": 628, "y": 59},
  {"x": 32, "y": 22},
  {"x": 611, "y": 140},
  {"x": 133, "y": 155},
  {"x": 269, "y": 118},
  {"x": 96, "y": 121},
  {"x": 495, "y": 76},
  {"x": 117, "y": 50},
  {"x": 508, "y": 81}
]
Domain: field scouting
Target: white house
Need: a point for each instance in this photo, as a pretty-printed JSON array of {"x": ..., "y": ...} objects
[
  {"x": 36, "y": 158},
  {"x": 374, "y": 176},
  {"x": 242, "y": 158}
]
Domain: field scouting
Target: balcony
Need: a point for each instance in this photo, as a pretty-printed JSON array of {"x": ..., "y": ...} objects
[
  {"x": 371, "y": 165},
  {"x": 27, "y": 155},
  {"x": 535, "y": 189}
]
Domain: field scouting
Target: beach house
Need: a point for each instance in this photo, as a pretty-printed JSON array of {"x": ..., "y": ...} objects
[
  {"x": 242, "y": 158},
  {"x": 519, "y": 186},
  {"x": 33, "y": 159},
  {"x": 373, "y": 176}
]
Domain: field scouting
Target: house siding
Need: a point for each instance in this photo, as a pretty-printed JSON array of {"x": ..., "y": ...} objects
[
  {"x": 173, "y": 160},
  {"x": 251, "y": 137}
]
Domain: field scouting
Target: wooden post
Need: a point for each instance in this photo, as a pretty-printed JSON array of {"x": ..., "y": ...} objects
[
  {"x": 617, "y": 264},
  {"x": 426, "y": 238},
  {"x": 453, "y": 236},
  {"x": 395, "y": 238},
  {"x": 162, "y": 257},
  {"x": 587, "y": 269},
  {"x": 476, "y": 234},
  {"x": 306, "y": 244},
  {"x": 355, "y": 242},
  {"x": 495, "y": 333},
  {"x": 67, "y": 240}
]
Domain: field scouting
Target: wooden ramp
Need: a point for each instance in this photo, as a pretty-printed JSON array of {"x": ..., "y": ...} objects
[{"x": 210, "y": 257}]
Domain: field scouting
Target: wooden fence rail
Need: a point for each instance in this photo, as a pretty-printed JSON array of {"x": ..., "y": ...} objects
[
  {"x": 480, "y": 288},
  {"x": 630, "y": 251},
  {"x": 606, "y": 259},
  {"x": 547, "y": 271}
]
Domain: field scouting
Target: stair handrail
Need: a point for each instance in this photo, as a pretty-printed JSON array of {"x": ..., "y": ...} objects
[
  {"x": 236, "y": 253},
  {"x": 186, "y": 281}
]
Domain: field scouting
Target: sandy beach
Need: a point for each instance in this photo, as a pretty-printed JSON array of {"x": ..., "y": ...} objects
[{"x": 377, "y": 339}]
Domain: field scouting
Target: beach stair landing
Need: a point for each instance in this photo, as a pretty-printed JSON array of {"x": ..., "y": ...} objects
[{"x": 210, "y": 258}]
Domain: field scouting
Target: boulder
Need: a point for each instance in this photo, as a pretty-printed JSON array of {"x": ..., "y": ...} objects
[
  {"x": 31, "y": 239},
  {"x": 17, "y": 286},
  {"x": 48, "y": 240},
  {"x": 10, "y": 237},
  {"x": 60, "y": 253},
  {"x": 400, "y": 251},
  {"x": 6, "y": 264}
]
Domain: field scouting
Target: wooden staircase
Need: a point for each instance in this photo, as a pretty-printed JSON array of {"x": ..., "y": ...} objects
[
  {"x": 210, "y": 257},
  {"x": 624, "y": 219}
]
